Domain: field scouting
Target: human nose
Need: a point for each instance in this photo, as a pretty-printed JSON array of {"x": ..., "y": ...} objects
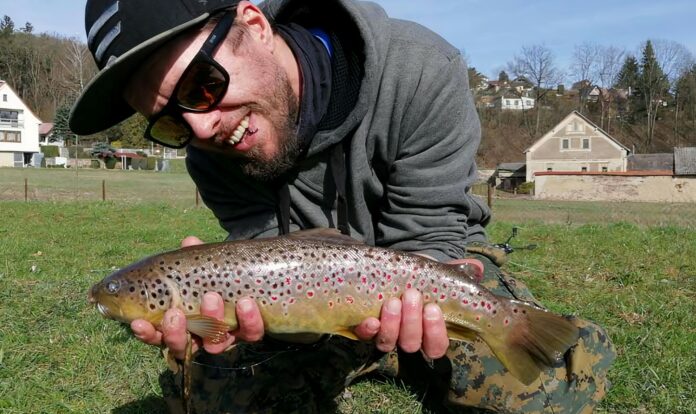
[{"x": 204, "y": 125}]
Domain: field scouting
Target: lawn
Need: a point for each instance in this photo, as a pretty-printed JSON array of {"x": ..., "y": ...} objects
[{"x": 629, "y": 267}]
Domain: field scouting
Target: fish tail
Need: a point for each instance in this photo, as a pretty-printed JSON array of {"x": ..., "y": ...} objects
[{"x": 537, "y": 340}]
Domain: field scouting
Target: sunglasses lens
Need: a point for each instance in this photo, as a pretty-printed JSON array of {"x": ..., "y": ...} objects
[
  {"x": 202, "y": 87},
  {"x": 170, "y": 131}
]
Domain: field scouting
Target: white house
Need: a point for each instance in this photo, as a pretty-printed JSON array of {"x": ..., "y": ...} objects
[
  {"x": 507, "y": 102},
  {"x": 576, "y": 144},
  {"x": 19, "y": 129}
]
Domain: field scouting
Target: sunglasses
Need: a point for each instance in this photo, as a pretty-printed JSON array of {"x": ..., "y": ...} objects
[{"x": 199, "y": 89}]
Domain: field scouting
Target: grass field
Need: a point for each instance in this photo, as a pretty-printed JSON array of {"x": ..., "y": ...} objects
[{"x": 629, "y": 267}]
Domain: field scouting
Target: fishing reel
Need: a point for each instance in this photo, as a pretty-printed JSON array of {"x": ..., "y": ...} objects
[{"x": 509, "y": 248}]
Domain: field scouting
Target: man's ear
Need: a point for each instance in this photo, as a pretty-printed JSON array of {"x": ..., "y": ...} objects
[{"x": 256, "y": 22}]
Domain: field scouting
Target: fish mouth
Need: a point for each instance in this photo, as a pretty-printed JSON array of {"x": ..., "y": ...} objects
[{"x": 103, "y": 310}]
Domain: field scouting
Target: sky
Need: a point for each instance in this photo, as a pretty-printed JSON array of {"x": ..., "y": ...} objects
[{"x": 490, "y": 33}]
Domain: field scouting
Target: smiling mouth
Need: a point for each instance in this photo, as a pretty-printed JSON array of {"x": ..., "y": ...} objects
[{"x": 241, "y": 131}]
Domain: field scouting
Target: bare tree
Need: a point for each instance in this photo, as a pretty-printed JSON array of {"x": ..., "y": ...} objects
[
  {"x": 675, "y": 60},
  {"x": 609, "y": 66},
  {"x": 585, "y": 68},
  {"x": 536, "y": 64}
]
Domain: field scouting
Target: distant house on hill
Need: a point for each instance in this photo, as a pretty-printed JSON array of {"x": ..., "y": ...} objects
[
  {"x": 514, "y": 103},
  {"x": 19, "y": 129},
  {"x": 576, "y": 144}
]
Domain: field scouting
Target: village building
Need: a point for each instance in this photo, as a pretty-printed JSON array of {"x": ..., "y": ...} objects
[
  {"x": 575, "y": 144},
  {"x": 19, "y": 130}
]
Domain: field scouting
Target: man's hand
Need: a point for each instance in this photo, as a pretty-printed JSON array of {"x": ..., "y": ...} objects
[
  {"x": 173, "y": 329},
  {"x": 409, "y": 324}
]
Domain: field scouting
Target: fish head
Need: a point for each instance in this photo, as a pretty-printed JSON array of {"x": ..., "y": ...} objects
[{"x": 128, "y": 295}]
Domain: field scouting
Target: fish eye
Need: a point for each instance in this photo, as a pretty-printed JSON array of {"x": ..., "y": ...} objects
[{"x": 113, "y": 286}]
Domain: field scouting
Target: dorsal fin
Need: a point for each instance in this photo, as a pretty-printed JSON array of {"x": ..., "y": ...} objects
[{"x": 324, "y": 234}]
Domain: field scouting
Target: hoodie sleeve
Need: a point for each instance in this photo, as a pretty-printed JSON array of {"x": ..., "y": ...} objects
[{"x": 427, "y": 207}]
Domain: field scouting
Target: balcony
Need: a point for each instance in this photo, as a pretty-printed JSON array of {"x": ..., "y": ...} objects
[{"x": 12, "y": 123}]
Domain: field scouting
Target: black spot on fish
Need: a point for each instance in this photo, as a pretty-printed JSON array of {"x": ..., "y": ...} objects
[
  {"x": 152, "y": 306},
  {"x": 132, "y": 289},
  {"x": 161, "y": 303},
  {"x": 195, "y": 294},
  {"x": 177, "y": 263}
]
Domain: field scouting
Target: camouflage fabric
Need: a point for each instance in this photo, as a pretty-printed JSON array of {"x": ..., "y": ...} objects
[{"x": 277, "y": 377}]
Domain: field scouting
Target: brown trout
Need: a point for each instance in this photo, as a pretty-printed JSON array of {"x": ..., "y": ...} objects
[{"x": 318, "y": 281}]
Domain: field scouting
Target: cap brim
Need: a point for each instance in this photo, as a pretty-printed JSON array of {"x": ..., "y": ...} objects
[{"x": 101, "y": 104}]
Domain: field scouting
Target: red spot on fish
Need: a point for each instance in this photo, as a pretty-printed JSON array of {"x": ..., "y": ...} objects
[
  {"x": 465, "y": 301},
  {"x": 349, "y": 299},
  {"x": 488, "y": 306},
  {"x": 434, "y": 290},
  {"x": 326, "y": 279},
  {"x": 483, "y": 303},
  {"x": 310, "y": 293},
  {"x": 389, "y": 277},
  {"x": 274, "y": 298},
  {"x": 340, "y": 280},
  {"x": 478, "y": 317},
  {"x": 380, "y": 296},
  {"x": 474, "y": 305},
  {"x": 331, "y": 305},
  {"x": 408, "y": 285},
  {"x": 299, "y": 287},
  {"x": 363, "y": 280},
  {"x": 288, "y": 280},
  {"x": 291, "y": 301},
  {"x": 506, "y": 321},
  {"x": 237, "y": 281},
  {"x": 443, "y": 296},
  {"x": 259, "y": 281}
]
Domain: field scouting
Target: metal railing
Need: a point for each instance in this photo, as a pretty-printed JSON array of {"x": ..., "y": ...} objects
[{"x": 14, "y": 123}]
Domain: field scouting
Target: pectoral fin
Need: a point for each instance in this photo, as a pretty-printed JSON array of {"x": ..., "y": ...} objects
[{"x": 207, "y": 327}]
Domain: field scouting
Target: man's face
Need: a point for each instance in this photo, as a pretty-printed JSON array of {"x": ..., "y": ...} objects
[{"x": 255, "y": 120}]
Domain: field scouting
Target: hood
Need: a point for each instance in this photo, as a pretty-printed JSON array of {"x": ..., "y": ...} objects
[{"x": 368, "y": 21}]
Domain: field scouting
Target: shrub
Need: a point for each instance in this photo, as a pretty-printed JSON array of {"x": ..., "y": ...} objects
[
  {"x": 526, "y": 188},
  {"x": 50, "y": 151}
]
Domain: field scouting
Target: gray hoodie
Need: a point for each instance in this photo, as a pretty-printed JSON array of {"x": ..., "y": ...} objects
[{"x": 412, "y": 138}]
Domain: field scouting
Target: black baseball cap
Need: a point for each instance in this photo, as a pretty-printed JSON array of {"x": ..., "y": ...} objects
[{"x": 121, "y": 34}]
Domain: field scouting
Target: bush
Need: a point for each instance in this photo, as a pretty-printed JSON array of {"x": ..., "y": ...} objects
[
  {"x": 95, "y": 164},
  {"x": 50, "y": 151},
  {"x": 526, "y": 188}
]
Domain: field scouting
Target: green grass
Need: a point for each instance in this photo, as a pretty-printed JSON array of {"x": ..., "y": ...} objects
[{"x": 631, "y": 268}]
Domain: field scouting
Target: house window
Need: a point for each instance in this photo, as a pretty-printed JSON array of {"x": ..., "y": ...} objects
[
  {"x": 583, "y": 169},
  {"x": 605, "y": 169},
  {"x": 565, "y": 143},
  {"x": 10, "y": 136},
  {"x": 585, "y": 143},
  {"x": 549, "y": 169},
  {"x": 4, "y": 97}
]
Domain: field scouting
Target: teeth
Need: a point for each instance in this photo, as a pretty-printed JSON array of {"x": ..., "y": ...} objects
[{"x": 238, "y": 133}]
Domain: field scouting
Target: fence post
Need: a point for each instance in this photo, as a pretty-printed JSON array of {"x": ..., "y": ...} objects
[
  {"x": 197, "y": 197},
  {"x": 26, "y": 189},
  {"x": 491, "y": 189},
  {"x": 103, "y": 190}
]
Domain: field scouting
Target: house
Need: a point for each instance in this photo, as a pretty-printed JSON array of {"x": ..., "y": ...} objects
[
  {"x": 576, "y": 144},
  {"x": 509, "y": 175},
  {"x": 47, "y": 137},
  {"x": 19, "y": 130},
  {"x": 515, "y": 103}
]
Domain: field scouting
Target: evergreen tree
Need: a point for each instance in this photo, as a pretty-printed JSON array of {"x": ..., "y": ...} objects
[
  {"x": 503, "y": 77},
  {"x": 629, "y": 74},
  {"x": 654, "y": 87}
]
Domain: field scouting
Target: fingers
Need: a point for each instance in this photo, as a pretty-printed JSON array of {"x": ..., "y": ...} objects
[
  {"x": 146, "y": 332},
  {"x": 212, "y": 305},
  {"x": 435, "y": 339},
  {"x": 367, "y": 329},
  {"x": 411, "y": 328},
  {"x": 390, "y": 320},
  {"x": 250, "y": 321},
  {"x": 191, "y": 241},
  {"x": 174, "y": 334}
]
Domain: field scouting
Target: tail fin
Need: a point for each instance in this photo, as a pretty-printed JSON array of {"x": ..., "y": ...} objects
[{"x": 533, "y": 343}]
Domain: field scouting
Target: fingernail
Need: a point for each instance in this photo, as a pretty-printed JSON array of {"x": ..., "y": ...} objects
[
  {"x": 394, "y": 306},
  {"x": 245, "y": 305},
  {"x": 209, "y": 301},
  {"x": 173, "y": 320},
  {"x": 432, "y": 312}
]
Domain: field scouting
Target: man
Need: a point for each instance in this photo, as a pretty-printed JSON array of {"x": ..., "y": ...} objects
[{"x": 302, "y": 114}]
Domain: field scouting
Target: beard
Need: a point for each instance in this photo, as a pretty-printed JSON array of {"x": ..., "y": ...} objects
[{"x": 282, "y": 113}]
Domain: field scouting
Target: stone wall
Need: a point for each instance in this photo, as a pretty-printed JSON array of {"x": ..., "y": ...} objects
[{"x": 629, "y": 186}]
